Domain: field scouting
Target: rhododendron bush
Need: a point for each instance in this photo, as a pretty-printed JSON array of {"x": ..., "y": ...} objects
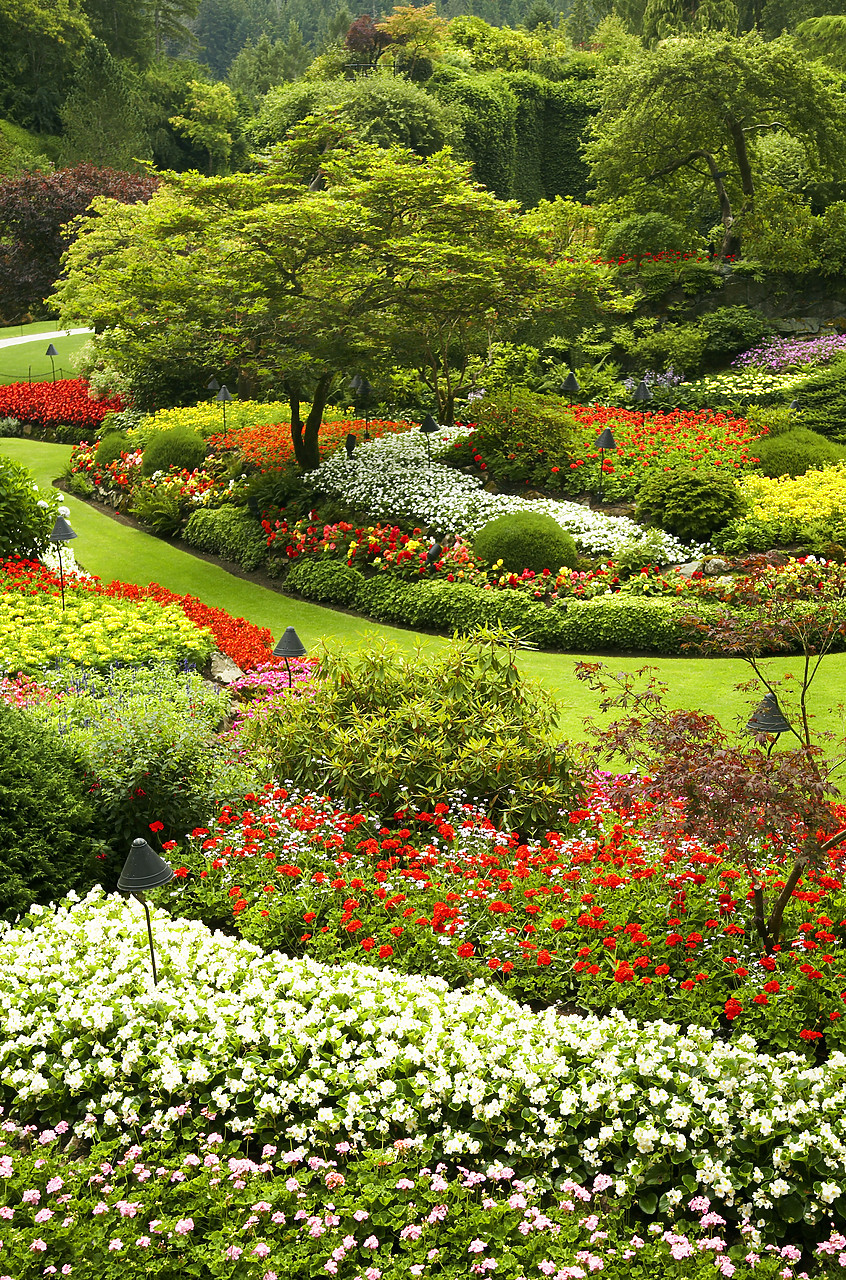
[
  {"x": 52, "y": 404},
  {"x": 290, "y": 1052}
]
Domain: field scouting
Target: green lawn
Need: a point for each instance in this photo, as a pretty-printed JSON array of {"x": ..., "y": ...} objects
[
  {"x": 27, "y": 359},
  {"x": 112, "y": 550}
]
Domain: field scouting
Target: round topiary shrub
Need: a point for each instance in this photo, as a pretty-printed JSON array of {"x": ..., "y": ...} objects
[
  {"x": 46, "y": 816},
  {"x": 643, "y": 233},
  {"x": 692, "y": 505},
  {"x": 795, "y": 452},
  {"x": 111, "y": 447},
  {"x": 526, "y": 540},
  {"x": 178, "y": 447}
]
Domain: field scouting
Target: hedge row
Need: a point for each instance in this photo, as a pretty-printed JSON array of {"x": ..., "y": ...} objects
[{"x": 651, "y": 625}]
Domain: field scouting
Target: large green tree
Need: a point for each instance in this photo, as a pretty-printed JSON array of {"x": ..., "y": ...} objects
[
  {"x": 333, "y": 260},
  {"x": 683, "y": 117}
]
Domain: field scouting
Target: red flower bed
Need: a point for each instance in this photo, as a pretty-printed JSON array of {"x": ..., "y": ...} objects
[
  {"x": 245, "y": 643},
  {"x": 269, "y": 445},
  {"x": 598, "y": 913},
  {"x": 53, "y": 404}
]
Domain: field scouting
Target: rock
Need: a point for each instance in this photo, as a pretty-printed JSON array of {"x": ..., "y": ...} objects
[
  {"x": 688, "y": 569},
  {"x": 713, "y": 567},
  {"x": 223, "y": 669},
  {"x": 491, "y": 487}
]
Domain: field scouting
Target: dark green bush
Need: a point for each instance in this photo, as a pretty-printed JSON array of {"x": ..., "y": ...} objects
[
  {"x": 795, "y": 452},
  {"x": 26, "y": 516},
  {"x": 230, "y": 532},
  {"x": 526, "y": 540},
  {"x": 689, "y": 504},
  {"x": 277, "y": 490},
  {"x": 46, "y": 816},
  {"x": 822, "y": 400},
  {"x": 644, "y": 233},
  {"x": 729, "y": 330},
  {"x": 390, "y": 729},
  {"x": 111, "y": 447},
  {"x": 389, "y": 599},
  {"x": 176, "y": 447},
  {"x": 329, "y": 580}
]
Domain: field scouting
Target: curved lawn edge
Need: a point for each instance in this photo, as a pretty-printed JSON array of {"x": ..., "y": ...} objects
[{"x": 112, "y": 549}]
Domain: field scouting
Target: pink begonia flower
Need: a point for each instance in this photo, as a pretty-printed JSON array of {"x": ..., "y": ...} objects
[
  {"x": 55, "y": 1184},
  {"x": 699, "y": 1204},
  {"x": 261, "y": 1250},
  {"x": 183, "y": 1226},
  {"x": 278, "y": 1218},
  {"x": 37, "y": 1246},
  {"x": 6, "y": 1212},
  {"x": 602, "y": 1182},
  {"x": 269, "y": 1275},
  {"x": 331, "y": 1266},
  {"x": 476, "y": 1246},
  {"x": 412, "y": 1232},
  {"x": 115, "y": 1245},
  {"x": 361, "y": 1215},
  {"x": 233, "y": 1253},
  {"x": 262, "y": 1207},
  {"x": 373, "y": 1273},
  {"x": 31, "y": 1197},
  {"x": 43, "y": 1215},
  {"x": 405, "y": 1185},
  {"x": 100, "y": 1208},
  {"x": 143, "y": 1242},
  {"x": 371, "y": 1243},
  {"x": 67, "y": 1268},
  {"x": 334, "y": 1179}
]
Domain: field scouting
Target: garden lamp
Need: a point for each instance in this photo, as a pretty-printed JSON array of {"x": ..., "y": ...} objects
[
  {"x": 212, "y": 385},
  {"x": 570, "y": 385},
  {"x": 433, "y": 554},
  {"x": 429, "y": 426},
  {"x": 52, "y": 353},
  {"x": 143, "y": 870},
  {"x": 642, "y": 394},
  {"x": 768, "y": 717},
  {"x": 794, "y": 405},
  {"x": 62, "y": 532},
  {"x": 350, "y": 443},
  {"x": 604, "y": 441},
  {"x": 224, "y": 395},
  {"x": 289, "y": 645},
  {"x": 363, "y": 396}
]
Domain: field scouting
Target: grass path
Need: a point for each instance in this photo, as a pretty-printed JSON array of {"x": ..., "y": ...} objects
[{"x": 113, "y": 550}]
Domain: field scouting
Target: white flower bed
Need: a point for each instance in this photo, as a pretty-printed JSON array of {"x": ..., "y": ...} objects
[
  {"x": 390, "y": 478},
  {"x": 320, "y": 1054}
]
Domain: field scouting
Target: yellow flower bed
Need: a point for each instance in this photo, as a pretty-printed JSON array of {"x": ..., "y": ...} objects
[{"x": 809, "y": 499}]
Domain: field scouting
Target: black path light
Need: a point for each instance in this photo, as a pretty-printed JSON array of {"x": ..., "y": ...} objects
[
  {"x": 434, "y": 554},
  {"x": 212, "y": 384},
  {"x": 604, "y": 441},
  {"x": 350, "y": 443},
  {"x": 62, "y": 532},
  {"x": 570, "y": 385},
  {"x": 52, "y": 353},
  {"x": 144, "y": 870},
  {"x": 224, "y": 395},
  {"x": 642, "y": 394},
  {"x": 794, "y": 406},
  {"x": 289, "y": 645},
  {"x": 363, "y": 399},
  {"x": 429, "y": 426},
  {"x": 768, "y": 717}
]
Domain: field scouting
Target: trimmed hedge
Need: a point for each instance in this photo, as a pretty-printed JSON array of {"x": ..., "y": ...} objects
[
  {"x": 230, "y": 532},
  {"x": 651, "y": 625}
]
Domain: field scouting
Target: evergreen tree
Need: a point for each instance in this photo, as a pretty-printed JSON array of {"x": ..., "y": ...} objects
[{"x": 101, "y": 114}]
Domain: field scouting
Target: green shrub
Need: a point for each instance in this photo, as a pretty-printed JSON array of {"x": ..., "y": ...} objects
[
  {"x": 230, "y": 532},
  {"x": 822, "y": 400},
  {"x": 729, "y": 330},
  {"x": 146, "y": 741},
  {"x": 160, "y": 507},
  {"x": 521, "y": 437},
  {"x": 526, "y": 540},
  {"x": 325, "y": 580},
  {"x": 26, "y": 516},
  {"x": 10, "y": 427},
  {"x": 389, "y": 599},
  {"x": 176, "y": 447},
  {"x": 795, "y": 452},
  {"x": 388, "y": 729},
  {"x": 689, "y": 504},
  {"x": 644, "y": 233},
  {"x": 279, "y": 489},
  {"x": 775, "y": 420},
  {"x": 110, "y": 448},
  {"x": 46, "y": 815}
]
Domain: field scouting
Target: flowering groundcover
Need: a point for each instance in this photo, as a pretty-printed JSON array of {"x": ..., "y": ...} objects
[
  {"x": 291, "y": 1052},
  {"x": 53, "y": 404},
  {"x": 599, "y": 917}
]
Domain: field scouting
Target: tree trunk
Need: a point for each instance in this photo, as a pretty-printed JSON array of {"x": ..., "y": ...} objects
[
  {"x": 730, "y": 246},
  {"x": 774, "y": 923},
  {"x": 306, "y": 435}
]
